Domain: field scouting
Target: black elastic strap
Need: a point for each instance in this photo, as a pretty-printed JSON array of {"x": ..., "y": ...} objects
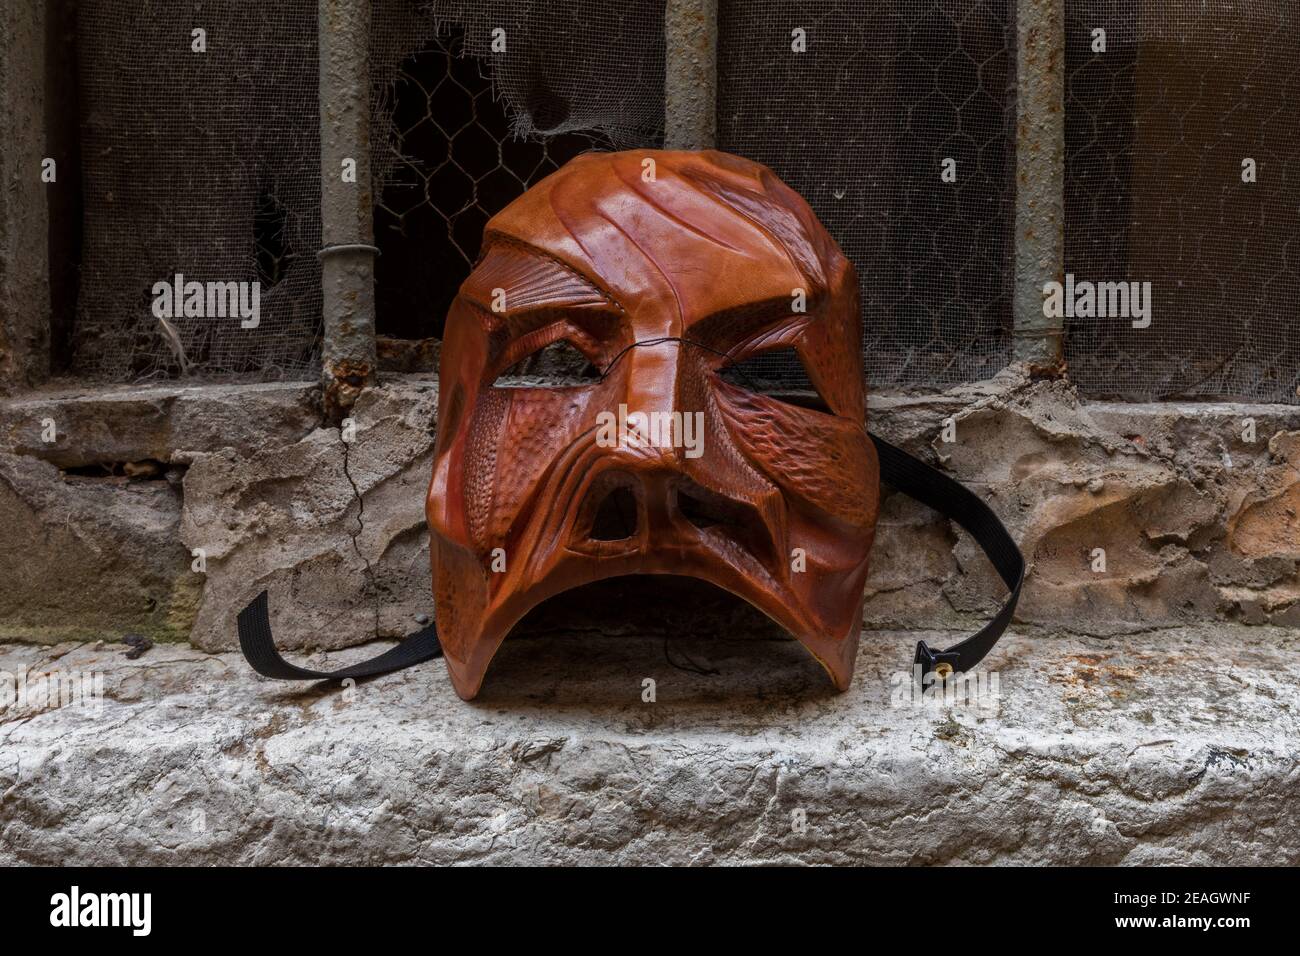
[
  {"x": 907, "y": 474},
  {"x": 258, "y": 646},
  {"x": 954, "y": 500}
]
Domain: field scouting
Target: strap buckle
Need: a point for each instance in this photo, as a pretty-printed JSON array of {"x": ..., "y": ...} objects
[{"x": 940, "y": 663}]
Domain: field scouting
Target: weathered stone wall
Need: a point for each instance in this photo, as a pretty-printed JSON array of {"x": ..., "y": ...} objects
[
  {"x": 1175, "y": 745},
  {"x": 1196, "y": 523}
]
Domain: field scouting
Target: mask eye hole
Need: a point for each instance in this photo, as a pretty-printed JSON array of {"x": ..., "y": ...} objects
[
  {"x": 779, "y": 374},
  {"x": 557, "y": 365}
]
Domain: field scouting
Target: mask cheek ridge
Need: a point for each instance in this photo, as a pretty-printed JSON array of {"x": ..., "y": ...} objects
[{"x": 460, "y": 605}]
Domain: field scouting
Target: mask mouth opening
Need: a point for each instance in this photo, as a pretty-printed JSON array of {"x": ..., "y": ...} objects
[
  {"x": 696, "y": 641},
  {"x": 668, "y": 606}
]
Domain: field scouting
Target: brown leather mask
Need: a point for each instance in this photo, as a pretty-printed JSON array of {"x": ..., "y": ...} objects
[
  {"x": 668, "y": 272},
  {"x": 662, "y": 269}
]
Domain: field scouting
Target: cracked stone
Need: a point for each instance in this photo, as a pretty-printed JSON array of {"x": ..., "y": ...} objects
[{"x": 264, "y": 491}]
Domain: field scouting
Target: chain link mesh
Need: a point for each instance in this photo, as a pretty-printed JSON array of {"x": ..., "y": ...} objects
[
  {"x": 204, "y": 164},
  {"x": 207, "y": 164},
  {"x": 461, "y": 128},
  {"x": 1157, "y": 129},
  {"x": 860, "y": 124}
]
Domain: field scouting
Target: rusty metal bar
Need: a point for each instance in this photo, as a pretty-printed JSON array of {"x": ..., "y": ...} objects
[
  {"x": 348, "y": 361},
  {"x": 1040, "y": 177},
  {"x": 24, "y": 215},
  {"x": 690, "y": 74}
]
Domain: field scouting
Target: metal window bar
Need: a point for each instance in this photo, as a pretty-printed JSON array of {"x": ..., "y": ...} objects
[{"x": 1259, "y": 58}]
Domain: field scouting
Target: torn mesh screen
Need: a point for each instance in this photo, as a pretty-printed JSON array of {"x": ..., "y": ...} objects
[
  {"x": 204, "y": 164},
  {"x": 461, "y": 129},
  {"x": 1157, "y": 129},
  {"x": 860, "y": 125}
]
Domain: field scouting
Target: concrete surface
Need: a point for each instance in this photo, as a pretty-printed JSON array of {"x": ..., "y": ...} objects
[{"x": 1180, "y": 747}]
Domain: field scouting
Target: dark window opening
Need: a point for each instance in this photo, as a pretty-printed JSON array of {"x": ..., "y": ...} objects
[
  {"x": 453, "y": 163},
  {"x": 1157, "y": 137},
  {"x": 271, "y": 249},
  {"x": 64, "y": 198},
  {"x": 863, "y": 129},
  {"x": 203, "y": 166}
]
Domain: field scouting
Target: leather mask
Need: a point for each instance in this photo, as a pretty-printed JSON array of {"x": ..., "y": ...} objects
[
  {"x": 663, "y": 269},
  {"x": 668, "y": 273}
]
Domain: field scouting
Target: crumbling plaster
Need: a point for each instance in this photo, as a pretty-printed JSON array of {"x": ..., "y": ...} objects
[{"x": 1196, "y": 523}]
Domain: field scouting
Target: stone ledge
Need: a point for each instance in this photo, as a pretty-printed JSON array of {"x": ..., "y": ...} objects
[
  {"x": 1180, "y": 748},
  {"x": 169, "y": 422}
]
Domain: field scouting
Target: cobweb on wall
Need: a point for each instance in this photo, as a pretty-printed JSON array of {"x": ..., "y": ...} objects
[
  {"x": 208, "y": 164},
  {"x": 459, "y": 129},
  {"x": 205, "y": 164}
]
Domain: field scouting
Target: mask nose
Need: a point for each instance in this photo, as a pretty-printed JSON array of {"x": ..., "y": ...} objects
[
  {"x": 659, "y": 508},
  {"x": 615, "y": 516},
  {"x": 650, "y": 491}
]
